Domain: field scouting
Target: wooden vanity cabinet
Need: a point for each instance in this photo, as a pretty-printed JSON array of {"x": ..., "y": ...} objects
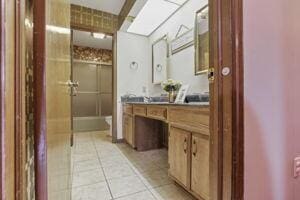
[
  {"x": 188, "y": 141},
  {"x": 200, "y": 165},
  {"x": 179, "y": 155},
  {"x": 189, "y": 149},
  {"x": 189, "y": 161}
]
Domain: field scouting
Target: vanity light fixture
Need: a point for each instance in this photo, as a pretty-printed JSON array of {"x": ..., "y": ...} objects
[{"x": 98, "y": 35}]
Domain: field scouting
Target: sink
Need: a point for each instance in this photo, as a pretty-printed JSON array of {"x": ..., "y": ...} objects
[
  {"x": 126, "y": 99},
  {"x": 163, "y": 99}
]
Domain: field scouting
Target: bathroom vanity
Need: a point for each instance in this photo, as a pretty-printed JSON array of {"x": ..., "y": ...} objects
[{"x": 187, "y": 128}]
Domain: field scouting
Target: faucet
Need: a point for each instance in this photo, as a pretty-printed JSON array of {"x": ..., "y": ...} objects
[
  {"x": 147, "y": 99},
  {"x": 128, "y": 95}
]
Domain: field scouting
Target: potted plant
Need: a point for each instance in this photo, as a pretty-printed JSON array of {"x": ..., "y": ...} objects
[{"x": 171, "y": 87}]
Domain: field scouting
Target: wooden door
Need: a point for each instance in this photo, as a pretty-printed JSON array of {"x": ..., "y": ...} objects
[
  {"x": 7, "y": 99},
  {"x": 200, "y": 165},
  {"x": 58, "y": 99},
  {"x": 179, "y": 155},
  {"x": 226, "y": 99}
]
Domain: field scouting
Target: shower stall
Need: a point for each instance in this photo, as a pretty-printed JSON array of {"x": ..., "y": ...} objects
[{"x": 92, "y": 99}]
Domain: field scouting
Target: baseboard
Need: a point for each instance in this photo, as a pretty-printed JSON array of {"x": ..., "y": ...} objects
[{"x": 119, "y": 140}]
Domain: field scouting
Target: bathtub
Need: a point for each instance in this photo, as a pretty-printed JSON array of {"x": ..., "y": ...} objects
[{"x": 84, "y": 124}]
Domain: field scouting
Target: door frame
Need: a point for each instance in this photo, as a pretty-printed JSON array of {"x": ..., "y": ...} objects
[
  {"x": 227, "y": 128},
  {"x": 2, "y": 98},
  {"x": 40, "y": 122},
  {"x": 227, "y": 101},
  {"x": 11, "y": 159}
]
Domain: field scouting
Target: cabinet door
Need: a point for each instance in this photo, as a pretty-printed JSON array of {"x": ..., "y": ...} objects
[
  {"x": 179, "y": 155},
  {"x": 129, "y": 130},
  {"x": 125, "y": 132},
  {"x": 200, "y": 165}
]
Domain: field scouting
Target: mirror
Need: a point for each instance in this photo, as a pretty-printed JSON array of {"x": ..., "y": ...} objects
[
  {"x": 202, "y": 40},
  {"x": 159, "y": 60}
]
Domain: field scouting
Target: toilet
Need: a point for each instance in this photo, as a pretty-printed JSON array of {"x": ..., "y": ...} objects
[{"x": 108, "y": 120}]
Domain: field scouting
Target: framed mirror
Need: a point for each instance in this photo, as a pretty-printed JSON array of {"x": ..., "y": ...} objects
[
  {"x": 159, "y": 60},
  {"x": 202, "y": 41}
]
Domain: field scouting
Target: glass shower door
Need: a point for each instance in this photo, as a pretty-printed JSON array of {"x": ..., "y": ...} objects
[{"x": 87, "y": 99}]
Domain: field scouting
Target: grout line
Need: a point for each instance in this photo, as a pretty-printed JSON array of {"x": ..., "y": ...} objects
[
  {"x": 136, "y": 172},
  {"x": 79, "y": 186},
  {"x": 133, "y": 194},
  {"x": 112, "y": 197},
  {"x": 138, "y": 175}
]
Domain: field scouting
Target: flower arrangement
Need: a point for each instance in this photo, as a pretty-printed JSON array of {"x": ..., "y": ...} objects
[{"x": 170, "y": 85}]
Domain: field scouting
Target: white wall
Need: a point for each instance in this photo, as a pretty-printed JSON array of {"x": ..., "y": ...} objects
[
  {"x": 181, "y": 65},
  {"x": 131, "y": 47}
]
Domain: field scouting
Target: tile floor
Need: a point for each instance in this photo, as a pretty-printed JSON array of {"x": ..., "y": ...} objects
[{"x": 106, "y": 171}]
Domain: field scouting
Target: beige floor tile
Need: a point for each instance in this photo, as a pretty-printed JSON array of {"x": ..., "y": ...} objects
[
  {"x": 118, "y": 171},
  {"x": 108, "y": 152},
  {"x": 131, "y": 175},
  {"x": 88, "y": 177},
  {"x": 155, "y": 178},
  {"x": 113, "y": 160},
  {"x": 170, "y": 192},
  {"x": 126, "y": 186},
  {"x": 60, "y": 195},
  {"x": 162, "y": 163},
  {"x": 146, "y": 195},
  {"x": 140, "y": 167},
  {"x": 84, "y": 156},
  {"x": 92, "y": 192},
  {"x": 90, "y": 150},
  {"x": 86, "y": 165}
]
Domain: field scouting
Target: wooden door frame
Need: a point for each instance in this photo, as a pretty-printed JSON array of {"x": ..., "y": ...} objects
[
  {"x": 19, "y": 142},
  {"x": 20, "y": 132},
  {"x": 227, "y": 101},
  {"x": 2, "y": 105},
  {"x": 40, "y": 122},
  {"x": 227, "y": 149}
]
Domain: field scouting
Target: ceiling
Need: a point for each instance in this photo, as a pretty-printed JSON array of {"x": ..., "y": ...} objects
[
  {"x": 111, "y": 6},
  {"x": 152, "y": 14},
  {"x": 82, "y": 38}
]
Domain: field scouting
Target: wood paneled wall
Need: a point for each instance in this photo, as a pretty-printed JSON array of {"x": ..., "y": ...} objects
[
  {"x": 92, "y": 54},
  {"x": 88, "y": 19},
  {"x": 125, "y": 11}
]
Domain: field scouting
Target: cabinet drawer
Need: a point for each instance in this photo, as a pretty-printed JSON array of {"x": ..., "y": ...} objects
[
  {"x": 193, "y": 117},
  {"x": 140, "y": 110},
  {"x": 157, "y": 112},
  {"x": 127, "y": 109}
]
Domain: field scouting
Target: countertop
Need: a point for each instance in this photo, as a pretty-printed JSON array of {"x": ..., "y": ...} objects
[{"x": 169, "y": 104}]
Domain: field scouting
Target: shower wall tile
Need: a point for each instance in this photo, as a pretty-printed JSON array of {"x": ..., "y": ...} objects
[{"x": 93, "y": 54}]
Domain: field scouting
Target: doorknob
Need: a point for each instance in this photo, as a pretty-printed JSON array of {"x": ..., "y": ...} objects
[{"x": 73, "y": 87}]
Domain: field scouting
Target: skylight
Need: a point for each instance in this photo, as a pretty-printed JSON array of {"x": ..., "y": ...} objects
[{"x": 153, "y": 14}]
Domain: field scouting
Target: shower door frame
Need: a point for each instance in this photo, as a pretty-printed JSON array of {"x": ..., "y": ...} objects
[
  {"x": 98, "y": 112},
  {"x": 114, "y": 80},
  {"x": 98, "y": 93}
]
